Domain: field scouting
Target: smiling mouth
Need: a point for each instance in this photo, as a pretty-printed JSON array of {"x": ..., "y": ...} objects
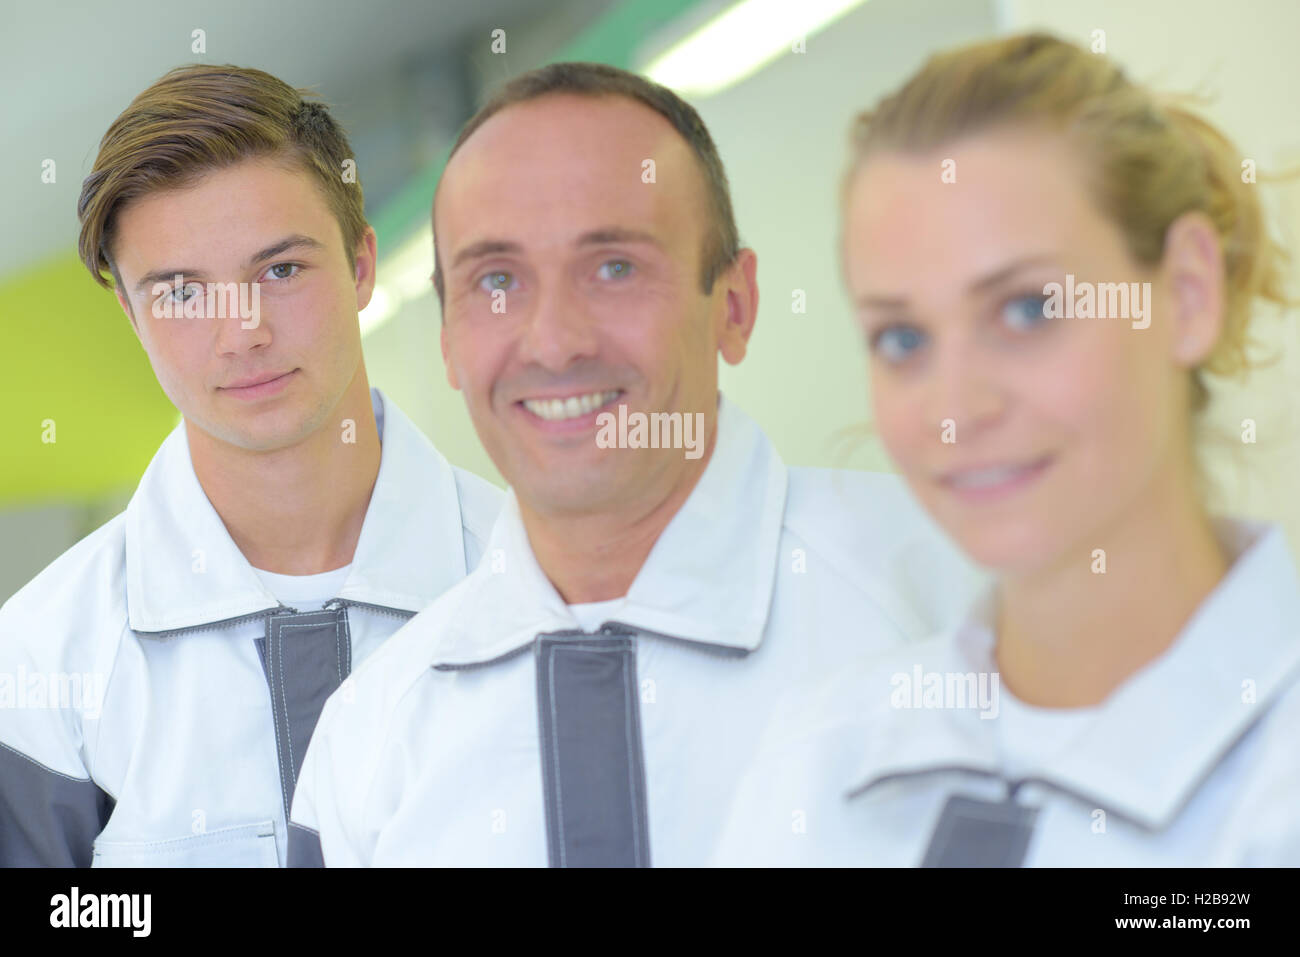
[
  {"x": 570, "y": 407},
  {"x": 259, "y": 382},
  {"x": 994, "y": 479}
]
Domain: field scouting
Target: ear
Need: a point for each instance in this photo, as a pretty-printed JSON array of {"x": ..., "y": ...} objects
[
  {"x": 1193, "y": 270},
  {"x": 740, "y": 292},
  {"x": 367, "y": 256},
  {"x": 452, "y": 380}
]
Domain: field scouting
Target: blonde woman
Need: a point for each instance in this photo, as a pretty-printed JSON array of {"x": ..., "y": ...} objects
[{"x": 1128, "y": 691}]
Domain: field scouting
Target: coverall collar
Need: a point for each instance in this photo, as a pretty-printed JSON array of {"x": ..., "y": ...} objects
[
  {"x": 1163, "y": 731},
  {"x": 708, "y": 579},
  {"x": 183, "y": 570}
]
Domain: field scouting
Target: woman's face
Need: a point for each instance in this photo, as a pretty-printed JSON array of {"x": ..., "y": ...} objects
[{"x": 1026, "y": 437}]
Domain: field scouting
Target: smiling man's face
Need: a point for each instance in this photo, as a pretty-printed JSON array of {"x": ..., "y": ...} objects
[
  {"x": 572, "y": 287},
  {"x": 260, "y": 385}
]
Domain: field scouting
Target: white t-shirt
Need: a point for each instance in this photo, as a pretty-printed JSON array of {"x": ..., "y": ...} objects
[
  {"x": 1029, "y": 735},
  {"x": 591, "y": 615},
  {"x": 305, "y": 592}
]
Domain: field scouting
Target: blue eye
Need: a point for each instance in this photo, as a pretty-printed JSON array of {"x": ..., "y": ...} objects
[
  {"x": 493, "y": 281},
  {"x": 281, "y": 276},
  {"x": 185, "y": 293},
  {"x": 1025, "y": 312},
  {"x": 615, "y": 269},
  {"x": 896, "y": 343}
]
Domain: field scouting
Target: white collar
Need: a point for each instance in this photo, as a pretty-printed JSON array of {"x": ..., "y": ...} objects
[
  {"x": 1164, "y": 730},
  {"x": 184, "y": 571},
  {"x": 707, "y": 580}
]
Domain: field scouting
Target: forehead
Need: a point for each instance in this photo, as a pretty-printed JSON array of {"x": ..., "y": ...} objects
[
  {"x": 551, "y": 168},
  {"x": 1015, "y": 190},
  {"x": 228, "y": 209}
]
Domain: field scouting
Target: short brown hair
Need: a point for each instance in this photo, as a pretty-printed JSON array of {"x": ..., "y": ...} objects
[
  {"x": 722, "y": 241},
  {"x": 196, "y": 119}
]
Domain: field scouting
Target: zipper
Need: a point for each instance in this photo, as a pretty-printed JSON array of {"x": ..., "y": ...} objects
[
  {"x": 223, "y": 623},
  {"x": 719, "y": 651},
  {"x": 379, "y": 609},
  {"x": 278, "y": 610},
  {"x": 610, "y": 629}
]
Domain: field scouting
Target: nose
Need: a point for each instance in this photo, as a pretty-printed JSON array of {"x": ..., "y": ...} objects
[
  {"x": 239, "y": 322},
  {"x": 966, "y": 389},
  {"x": 558, "y": 329}
]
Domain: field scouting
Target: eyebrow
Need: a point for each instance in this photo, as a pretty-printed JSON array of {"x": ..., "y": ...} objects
[
  {"x": 485, "y": 247},
  {"x": 595, "y": 237},
  {"x": 297, "y": 241},
  {"x": 615, "y": 234},
  {"x": 984, "y": 282}
]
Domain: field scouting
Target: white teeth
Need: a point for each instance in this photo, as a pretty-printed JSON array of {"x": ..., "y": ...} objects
[
  {"x": 983, "y": 478},
  {"x": 554, "y": 410}
]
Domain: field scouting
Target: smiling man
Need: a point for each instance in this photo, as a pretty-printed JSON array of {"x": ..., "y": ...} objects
[
  {"x": 291, "y": 522},
  {"x": 591, "y": 693}
]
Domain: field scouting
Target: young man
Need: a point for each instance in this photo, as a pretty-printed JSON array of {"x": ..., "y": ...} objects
[
  {"x": 592, "y": 692},
  {"x": 273, "y": 542}
]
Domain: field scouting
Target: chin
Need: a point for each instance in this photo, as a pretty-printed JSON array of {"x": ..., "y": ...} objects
[
  {"x": 557, "y": 499},
  {"x": 1008, "y": 548},
  {"x": 567, "y": 487},
  {"x": 278, "y": 432}
]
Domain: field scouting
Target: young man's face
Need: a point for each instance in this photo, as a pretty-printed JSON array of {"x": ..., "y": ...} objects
[
  {"x": 572, "y": 287},
  {"x": 259, "y": 379}
]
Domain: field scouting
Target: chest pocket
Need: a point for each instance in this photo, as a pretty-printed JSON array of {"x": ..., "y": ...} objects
[{"x": 245, "y": 845}]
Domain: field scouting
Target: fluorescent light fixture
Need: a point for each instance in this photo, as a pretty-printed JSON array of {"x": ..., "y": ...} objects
[
  {"x": 403, "y": 277},
  {"x": 740, "y": 41}
]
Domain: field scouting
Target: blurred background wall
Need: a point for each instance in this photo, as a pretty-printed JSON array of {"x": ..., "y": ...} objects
[{"x": 403, "y": 76}]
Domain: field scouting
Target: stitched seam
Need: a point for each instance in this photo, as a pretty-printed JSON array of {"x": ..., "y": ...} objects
[
  {"x": 286, "y": 767},
  {"x": 287, "y": 770},
  {"x": 559, "y": 801},
  {"x": 275, "y": 718},
  {"x": 288, "y": 731},
  {"x": 209, "y": 839},
  {"x": 345, "y": 645},
  {"x": 549, "y": 662},
  {"x": 44, "y": 767},
  {"x": 275, "y": 626},
  {"x": 631, "y": 760},
  {"x": 555, "y": 748}
]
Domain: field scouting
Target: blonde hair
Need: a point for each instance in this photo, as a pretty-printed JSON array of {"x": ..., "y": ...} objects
[{"x": 1150, "y": 159}]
